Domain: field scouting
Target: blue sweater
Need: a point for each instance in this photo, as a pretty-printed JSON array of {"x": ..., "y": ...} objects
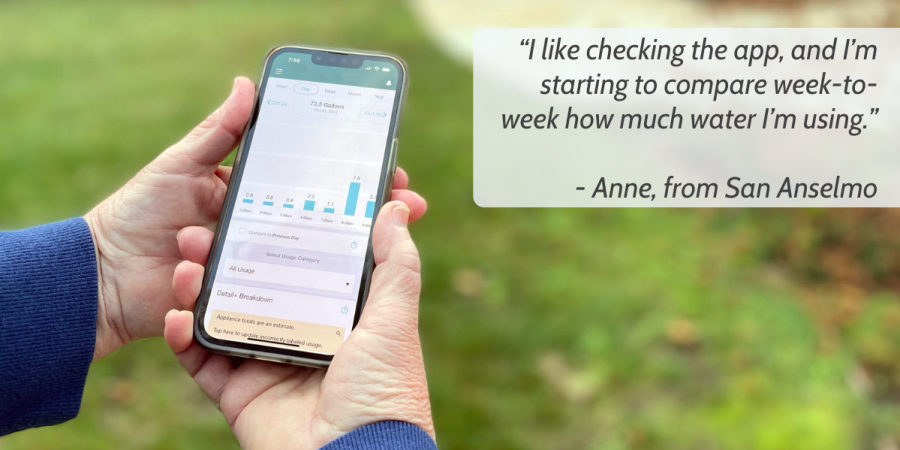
[{"x": 48, "y": 320}]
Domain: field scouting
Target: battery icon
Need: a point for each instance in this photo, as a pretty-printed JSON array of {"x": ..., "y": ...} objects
[{"x": 385, "y": 69}]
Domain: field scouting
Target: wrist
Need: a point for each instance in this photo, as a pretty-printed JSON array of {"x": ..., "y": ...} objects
[{"x": 110, "y": 330}]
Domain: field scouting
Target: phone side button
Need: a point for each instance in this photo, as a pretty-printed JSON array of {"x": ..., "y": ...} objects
[
  {"x": 394, "y": 156},
  {"x": 388, "y": 188}
]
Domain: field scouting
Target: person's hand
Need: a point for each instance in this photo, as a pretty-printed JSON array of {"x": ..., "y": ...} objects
[
  {"x": 376, "y": 375},
  {"x": 135, "y": 228}
]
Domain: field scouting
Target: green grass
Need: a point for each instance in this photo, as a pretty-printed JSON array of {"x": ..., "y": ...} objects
[{"x": 563, "y": 329}]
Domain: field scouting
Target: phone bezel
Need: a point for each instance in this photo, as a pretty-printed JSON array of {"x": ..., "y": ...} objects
[{"x": 278, "y": 354}]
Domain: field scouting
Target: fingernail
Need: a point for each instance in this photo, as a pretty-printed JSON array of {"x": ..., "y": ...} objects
[
  {"x": 401, "y": 216},
  {"x": 171, "y": 311},
  {"x": 234, "y": 85}
]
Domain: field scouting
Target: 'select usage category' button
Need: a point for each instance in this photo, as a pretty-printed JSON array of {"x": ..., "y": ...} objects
[{"x": 289, "y": 276}]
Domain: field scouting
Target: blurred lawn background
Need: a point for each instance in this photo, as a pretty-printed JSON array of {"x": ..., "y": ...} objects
[{"x": 556, "y": 328}]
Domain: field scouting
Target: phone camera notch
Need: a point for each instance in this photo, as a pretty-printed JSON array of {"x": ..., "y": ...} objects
[{"x": 337, "y": 59}]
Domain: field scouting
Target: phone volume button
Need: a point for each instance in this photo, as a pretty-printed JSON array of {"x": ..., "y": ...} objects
[{"x": 394, "y": 156}]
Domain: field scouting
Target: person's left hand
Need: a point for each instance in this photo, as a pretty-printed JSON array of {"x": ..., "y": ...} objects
[{"x": 135, "y": 228}]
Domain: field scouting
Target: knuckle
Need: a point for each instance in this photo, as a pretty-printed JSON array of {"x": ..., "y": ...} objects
[{"x": 204, "y": 127}]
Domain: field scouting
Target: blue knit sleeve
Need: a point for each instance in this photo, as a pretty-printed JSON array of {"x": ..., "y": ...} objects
[
  {"x": 48, "y": 320},
  {"x": 389, "y": 435}
]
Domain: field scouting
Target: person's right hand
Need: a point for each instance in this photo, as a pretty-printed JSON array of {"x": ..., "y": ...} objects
[{"x": 377, "y": 374}]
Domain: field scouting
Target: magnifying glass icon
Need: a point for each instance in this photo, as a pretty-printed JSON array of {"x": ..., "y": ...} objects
[{"x": 338, "y": 332}]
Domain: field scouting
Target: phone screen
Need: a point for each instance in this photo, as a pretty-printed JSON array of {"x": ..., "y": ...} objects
[{"x": 291, "y": 267}]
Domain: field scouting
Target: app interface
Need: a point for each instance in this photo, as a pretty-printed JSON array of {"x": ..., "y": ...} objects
[{"x": 289, "y": 274}]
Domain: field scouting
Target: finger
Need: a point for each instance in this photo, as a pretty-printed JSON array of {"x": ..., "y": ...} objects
[
  {"x": 187, "y": 282},
  {"x": 391, "y": 239},
  {"x": 211, "y": 141},
  {"x": 392, "y": 307},
  {"x": 210, "y": 371},
  {"x": 194, "y": 243},
  {"x": 401, "y": 179},
  {"x": 417, "y": 205},
  {"x": 224, "y": 173},
  {"x": 179, "y": 330}
]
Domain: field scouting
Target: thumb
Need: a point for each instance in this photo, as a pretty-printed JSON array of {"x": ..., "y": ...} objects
[
  {"x": 214, "y": 138},
  {"x": 378, "y": 374},
  {"x": 393, "y": 304}
]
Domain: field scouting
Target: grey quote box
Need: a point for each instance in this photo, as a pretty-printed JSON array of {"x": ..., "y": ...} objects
[{"x": 646, "y": 118}]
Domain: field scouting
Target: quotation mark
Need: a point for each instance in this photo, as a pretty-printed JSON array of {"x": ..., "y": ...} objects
[
  {"x": 530, "y": 44},
  {"x": 874, "y": 111}
]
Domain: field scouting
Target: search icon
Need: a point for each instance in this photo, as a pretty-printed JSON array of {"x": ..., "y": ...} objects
[{"x": 338, "y": 332}]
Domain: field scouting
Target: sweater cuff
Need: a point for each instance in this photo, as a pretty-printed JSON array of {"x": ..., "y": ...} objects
[
  {"x": 387, "y": 435},
  {"x": 48, "y": 321}
]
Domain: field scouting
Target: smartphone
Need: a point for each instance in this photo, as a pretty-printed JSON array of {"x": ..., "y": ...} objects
[{"x": 291, "y": 260}]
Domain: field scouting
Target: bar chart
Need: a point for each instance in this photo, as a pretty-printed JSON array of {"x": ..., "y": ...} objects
[
  {"x": 351, "y": 207},
  {"x": 313, "y": 176}
]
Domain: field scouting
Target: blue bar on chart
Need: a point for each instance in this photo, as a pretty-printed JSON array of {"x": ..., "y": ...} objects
[
  {"x": 288, "y": 205},
  {"x": 268, "y": 203},
  {"x": 309, "y": 205},
  {"x": 248, "y": 200},
  {"x": 329, "y": 210},
  {"x": 370, "y": 210},
  {"x": 352, "y": 197}
]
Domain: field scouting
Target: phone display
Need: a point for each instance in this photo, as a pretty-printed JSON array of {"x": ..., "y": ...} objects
[{"x": 291, "y": 260}]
